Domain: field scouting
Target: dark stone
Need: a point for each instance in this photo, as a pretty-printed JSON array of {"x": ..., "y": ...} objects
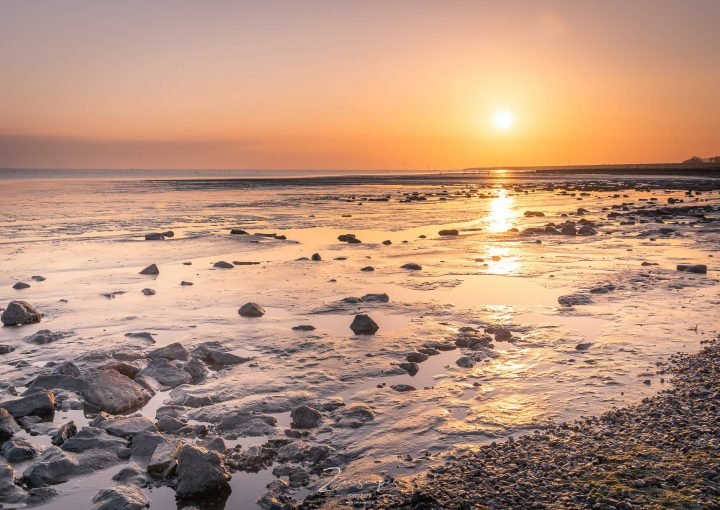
[
  {"x": 362, "y": 324},
  {"x": 19, "y": 313}
]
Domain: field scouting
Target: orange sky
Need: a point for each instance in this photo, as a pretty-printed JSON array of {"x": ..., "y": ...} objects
[{"x": 372, "y": 84}]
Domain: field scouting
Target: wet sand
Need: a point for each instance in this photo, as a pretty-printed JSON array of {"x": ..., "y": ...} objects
[{"x": 86, "y": 238}]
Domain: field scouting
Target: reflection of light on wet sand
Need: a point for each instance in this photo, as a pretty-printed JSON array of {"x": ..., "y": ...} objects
[{"x": 501, "y": 213}]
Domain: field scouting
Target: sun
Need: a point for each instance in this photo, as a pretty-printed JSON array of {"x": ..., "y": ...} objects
[{"x": 503, "y": 120}]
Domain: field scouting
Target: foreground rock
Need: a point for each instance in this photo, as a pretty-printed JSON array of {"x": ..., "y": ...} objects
[
  {"x": 362, "y": 324},
  {"x": 200, "y": 472},
  {"x": 152, "y": 269},
  {"x": 251, "y": 310},
  {"x": 41, "y": 403},
  {"x": 19, "y": 313},
  {"x": 120, "y": 497},
  {"x": 112, "y": 392},
  {"x": 8, "y": 425},
  {"x": 305, "y": 417}
]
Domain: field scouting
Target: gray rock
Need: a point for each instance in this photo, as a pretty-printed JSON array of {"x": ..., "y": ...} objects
[
  {"x": 410, "y": 367},
  {"x": 169, "y": 424},
  {"x": 6, "y": 349},
  {"x": 416, "y": 357},
  {"x": 53, "y": 466},
  {"x": 129, "y": 426},
  {"x": 40, "y": 495},
  {"x": 223, "y": 265},
  {"x": 17, "y": 450},
  {"x": 129, "y": 370},
  {"x": 92, "y": 438},
  {"x": 196, "y": 369},
  {"x": 112, "y": 392},
  {"x": 152, "y": 269},
  {"x": 66, "y": 368},
  {"x": 163, "y": 462},
  {"x": 65, "y": 432},
  {"x": 583, "y": 347},
  {"x": 41, "y": 403},
  {"x": 120, "y": 497},
  {"x": 246, "y": 423},
  {"x": 353, "y": 415},
  {"x": 215, "y": 354},
  {"x": 692, "y": 268},
  {"x": 21, "y": 285},
  {"x": 9, "y": 492},
  {"x": 45, "y": 336},
  {"x": 143, "y": 445},
  {"x": 375, "y": 298},
  {"x": 200, "y": 472},
  {"x": 57, "y": 381},
  {"x": 8, "y": 425},
  {"x": 362, "y": 324},
  {"x": 166, "y": 373},
  {"x": 305, "y": 417},
  {"x": 174, "y": 351},
  {"x": 19, "y": 313},
  {"x": 465, "y": 362},
  {"x": 148, "y": 292},
  {"x": 251, "y": 310},
  {"x": 502, "y": 334},
  {"x": 411, "y": 266}
]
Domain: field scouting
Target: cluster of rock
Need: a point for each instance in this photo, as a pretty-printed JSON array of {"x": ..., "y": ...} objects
[{"x": 582, "y": 227}]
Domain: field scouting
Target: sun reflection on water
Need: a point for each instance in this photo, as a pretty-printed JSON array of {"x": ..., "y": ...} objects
[{"x": 501, "y": 213}]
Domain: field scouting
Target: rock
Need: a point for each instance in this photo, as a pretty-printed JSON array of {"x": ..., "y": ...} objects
[
  {"x": 154, "y": 236},
  {"x": 9, "y": 492},
  {"x": 152, "y": 269},
  {"x": 583, "y": 346},
  {"x": 224, "y": 358},
  {"x": 127, "y": 427},
  {"x": 196, "y": 369},
  {"x": 304, "y": 327},
  {"x": 163, "y": 462},
  {"x": 93, "y": 438},
  {"x": 575, "y": 299},
  {"x": 402, "y": 388},
  {"x": 57, "y": 381},
  {"x": 568, "y": 230},
  {"x": 238, "y": 232},
  {"x": 215, "y": 444},
  {"x": 538, "y": 214},
  {"x": 375, "y": 298},
  {"x": 6, "y": 349},
  {"x": 465, "y": 362},
  {"x": 416, "y": 357},
  {"x": 367, "y": 269},
  {"x": 692, "y": 268},
  {"x": 66, "y": 368},
  {"x": 169, "y": 424},
  {"x": 41, "y": 403},
  {"x": 200, "y": 471},
  {"x": 305, "y": 417},
  {"x": 120, "y": 497},
  {"x": 21, "y": 285},
  {"x": 586, "y": 230},
  {"x": 166, "y": 373},
  {"x": 143, "y": 445},
  {"x": 410, "y": 367},
  {"x": 502, "y": 334},
  {"x": 8, "y": 425},
  {"x": 53, "y": 466},
  {"x": 346, "y": 237},
  {"x": 148, "y": 292},
  {"x": 65, "y": 432},
  {"x": 129, "y": 370},
  {"x": 173, "y": 351},
  {"x": 387, "y": 242},
  {"x": 448, "y": 232},
  {"x": 45, "y": 336},
  {"x": 112, "y": 392},
  {"x": 223, "y": 265},
  {"x": 186, "y": 284},
  {"x": 38, "y": 278},
  {"x": 19, "y": 313},
  {"x": 251, "y": 310},
  {"x": 17, "y": 450},
  {"x": 316, "y": 257},
  {"x": 411, "y": 266},
  {"x": 246, "y": 423},
  {"x": 362, "y": 324}
]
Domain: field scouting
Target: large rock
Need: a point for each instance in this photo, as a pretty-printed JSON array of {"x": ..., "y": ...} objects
[
  {"x": 152, "y": 269},
  {"x": 305, "y": 417},
  {"x": 200, "y": 472},
  {"x": 9, "y": 492},
  {"x": 8, "y": 425},
  {"x": 52, "y": 467},
  {"x": 174, "y": 351},
  {"x": 251, "y": 310},
  {"x": 92, "y": 438},
  {"x": 65, "y": 432},
  {"x": 362, "y": 324},
  {"x": 112, "y": 392},
  {"x": 120, "y": 497},
  {"x": 57, "y": 381},
  {"x": 163, "y": 462},
  {"x": 353, "y": 415},
  {"x": 18, "y": 313},
  {"x": 41, "y": 403},
  {"x": 196, "y": 369},
  {"x": 17, "y": 450},
  {"x": 129, "y": 426},
  {"x": 166, "y": 373},
  {"x": 223, "y": 265}
]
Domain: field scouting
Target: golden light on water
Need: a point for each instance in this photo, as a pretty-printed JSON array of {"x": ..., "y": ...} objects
[{"x": 501, "y": 213}]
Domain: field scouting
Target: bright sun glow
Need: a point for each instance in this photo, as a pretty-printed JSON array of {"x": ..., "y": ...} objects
[{"x": 503, "y": 120}]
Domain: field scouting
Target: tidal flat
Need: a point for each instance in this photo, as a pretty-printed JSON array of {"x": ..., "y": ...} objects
[{"x": 483, "y": 308}]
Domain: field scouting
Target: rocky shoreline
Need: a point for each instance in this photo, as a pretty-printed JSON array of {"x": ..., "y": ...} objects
[{"x": 663, "y": 452}]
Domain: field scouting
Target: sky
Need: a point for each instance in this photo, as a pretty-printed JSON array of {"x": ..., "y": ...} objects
[{"x": 356, "y": 84}]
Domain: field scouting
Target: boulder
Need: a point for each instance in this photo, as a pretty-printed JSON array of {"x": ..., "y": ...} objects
[
  {"x": 120, "y": 497},
  {"x": 57, "y": 381},
  {"x": 362, "y": 324},
  {"x": 93, "y": 438},
  {"x": 200, "y": 472},
  {"x": 410, "y": 367},
  {"x": 9, "y": 492},
  {"x": 223, "y": 265},
  {"x": 163, "y": 461},
  {"x": 586, "y": 230},
  {"x": 465, "y": 362},
  {"x": 129, "y": 426},
  {"x": 143, "y": 445},
  {"x": 174, "y": 351},
  {"x": 19, "y": 313},
  {"x": 41, "y": 403},
  {"x": 65, "y": 432},
  {"x": 8, "y": 425},
  {"x": 568, "y": 230},
  {"x": 196, "y": 369},
  {"x": 166, "y": 373},
  {"x": 66, "y": 368},
  {"x": 152, "y": 269},
  {"x": 402, "y": 388},
  {"x": 251, "y": 310},
  {"x": 692, "y": 268},
  {"x": 416, "y": 357},
  {"x": 110, "y": 391},
  {"x": 17, "y": 450},
  {"x": 305, "y": 417},
  {"x": 530, "y": 214},
  {"x": 411, "y": 266},
  {"x": 353, "y": 415},
  {"x": 6, "y": 349}
]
